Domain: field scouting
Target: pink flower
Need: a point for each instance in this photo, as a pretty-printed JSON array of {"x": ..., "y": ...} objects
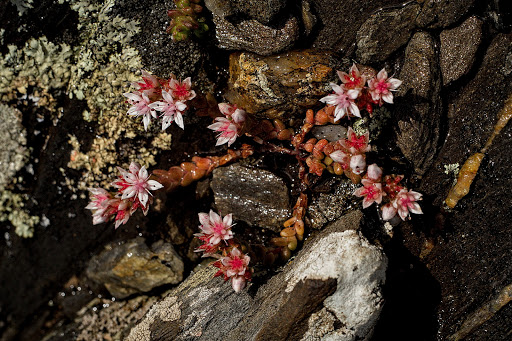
[
  {"x": 232, "y": 111},
  {"x": 353, "y": 80},
  {"x": 171, "y": 111},
  {"x": 358, "y": 163},
  {"x": 123, "y": 210},
  {"x": 214, "y": 229},
  {"x": 100, "y": 205},
  {"x": 228, "y": 131},
  {"x": 149, "y": 85},
  {"x": 235, "y": 267},
  {"x": 388, "y": 211},
  {"x": 405, "y": 202},
  {"x": 135, "y": 184},
  {"x": 344, "y": 102},
  {"x": 371, "y": 191},
  {"x": 140, "y": 107},
  {"x": 355, "y": 143},
  {"x": 374, "y": 173},
  {"x": 381, "y": 86},
  {"x": 341, "y": 157},
  {"x": 181, "y": 90}
]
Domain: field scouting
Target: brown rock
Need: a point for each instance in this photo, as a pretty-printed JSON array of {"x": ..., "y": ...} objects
[
  {"x": 276, "y": 86},
  {"x": 420, "y": 108},
  {"x": 442, "y": 13},
  {"x": 458, "y": 49},
  {"x": 385, "y": 32},
  {"x": 132, "y": 267}
]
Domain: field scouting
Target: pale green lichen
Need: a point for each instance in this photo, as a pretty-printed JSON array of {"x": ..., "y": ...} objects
[
  {"x": 22, "y": 5},
  {"x": 41, "y": 64},
  {"x": 13, "y": 151},
  {"x": 12, "y": 209}
]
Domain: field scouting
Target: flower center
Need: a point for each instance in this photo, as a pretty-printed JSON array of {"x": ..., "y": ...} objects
[{"x": 236, "y": 264}]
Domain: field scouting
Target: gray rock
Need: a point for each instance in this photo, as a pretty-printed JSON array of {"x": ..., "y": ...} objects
[
  {"x": 334, "y": 282},
  {"x": 442, "y": 13},
  {"x": 420, "y": 107},
  {"x": 458, "y": 49},
  {"x": 252, "y": 35},
  {"x": 255, "y": 196},
  {"x": 331, "y": 132},
  {"x": 133, "y": 267},
  {"x": 327, "y": 207},
  {"x": 260, "y": 10},
  {"x": 339, "y": 21},
  {"x": 385, "y": 32}
]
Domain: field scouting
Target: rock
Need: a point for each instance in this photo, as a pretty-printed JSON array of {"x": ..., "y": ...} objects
[
  {"x": 332, "y": 132},
  {"x": 331, "y": 291},
  {"x": 442, "y": 13},
  {"x": 253, "y": 195},
  {"x": 471, "y": 261},
  {"x": 327, "y": 207},
  {"x": 458, "y": 49},
  {"x": 385, "y": 32},
  {"x": 419, "y": 109},
  {"x": 252, "y": 35},
  {"x": 107, "y": 320},
  {"x": 472, "y": 113},
  {"x": 339, "y": 21},
  {"x": 282, "y": 84},
  {"x": 133, "y": 267}
]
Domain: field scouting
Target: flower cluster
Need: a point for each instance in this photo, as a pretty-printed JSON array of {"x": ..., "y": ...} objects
[
  {"x": 352, "y": 95},
  {"x": 230, "y": 126},
  {"x": 218, "y": 242},
  {"x": 400, "y": 200},
  {"x": 133, "y": 191},
  {"x": 154, "y": 95}
]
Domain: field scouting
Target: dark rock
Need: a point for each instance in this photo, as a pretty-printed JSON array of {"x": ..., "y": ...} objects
[
  {"x": 332, "y": 132},
  {"x": 333, "y": 283},
  {"x": 252, "y": 35},
  {"x": 327, "y": 207},
  {"x": 472, "y": 113},
  {"x": 283, "y": 84},
  {"x": 261, "y": 10},
  {"x": 458, "y": 49},
  {"x": 255, "y": 196},
  {"x": 339, "y": 21},
  {"x": 385, "y": 32},
  {"x": 420, "y": 107},
  {"x": 471, "y": 262},
  {"x": 442, "y": 13},
  {"x": 132, "y": 267}
]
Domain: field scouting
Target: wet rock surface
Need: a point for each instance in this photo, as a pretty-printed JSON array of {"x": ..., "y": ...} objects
[
  {"x": 339, "y": 21},
  {"x": 339, "y": 268},
  {"x": 435, "y": 14},
  {"x": 419, "y": 104},
  {"x": 252, "y": 34},
  {"x": 385, "y": 32},
  {"x": 458, "y": 49},
  {"x": 255, "y": 196},
  {"x": 133, "y": 267},
  {"x": 280, "y": 85}
]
